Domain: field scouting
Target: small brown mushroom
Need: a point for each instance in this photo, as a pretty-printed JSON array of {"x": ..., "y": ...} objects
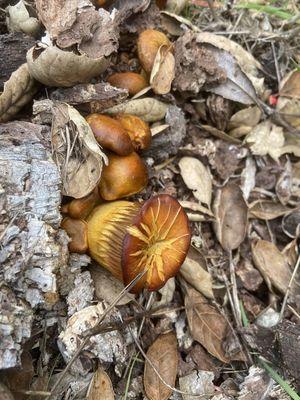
[
  {"x": 77, "y": 231},
  {"x": 122, "y": 177},
  {"x": 81, "y": 208},
  {"x": 131, "y": 81},
  {"x": 149, "y": 41},
  {"x": 127, "y": 238},
  {"x": 137, "y": 129},
  {"x": 110, "y": 134}
]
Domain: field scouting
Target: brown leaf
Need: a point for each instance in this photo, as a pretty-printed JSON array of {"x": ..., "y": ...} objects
[
  {"x": 272, "y": 264},
  {"x": 101, "y": 387},
  {"x": 163, "y": 355},
  {"x": 231, "y": 215},
  {"x": 207, "y": 325},
  {"x": 267, "y": 210},
  {"x": 163, "y": 70},
  {"x": 18, "y": 91}
]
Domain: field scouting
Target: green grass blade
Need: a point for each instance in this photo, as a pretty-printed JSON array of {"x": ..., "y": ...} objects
[
  {"x": 243, "y": 314},
  {"x": 278, "y": 12},
  {"x": 285, "y": 386}
]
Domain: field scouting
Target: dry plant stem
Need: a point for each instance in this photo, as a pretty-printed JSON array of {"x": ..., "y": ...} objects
[
  {"x": 33, "y": 393},
  {"x": 86, "y": 339},
  {"x": 158, "y": 374},
  {"x": 286, "y": 296},
  {"x": 294, "y": 311},
  {"x": 235, "y": 297},
  {"x": 276, "y": 64}
]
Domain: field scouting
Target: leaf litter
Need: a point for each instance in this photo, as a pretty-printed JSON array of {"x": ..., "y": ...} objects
[{"x": 222, "y": 103}]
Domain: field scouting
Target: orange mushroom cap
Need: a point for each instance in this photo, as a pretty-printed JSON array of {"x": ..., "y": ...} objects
[
  {"x": 77, "y": 231},
  {"x": 131, "y": 81},
  {"x": 137, "y": 129},
  {"x": 122, "y": 177},
  {"x": 110, "y": 134},
  {"x": 158, "y": 241}
]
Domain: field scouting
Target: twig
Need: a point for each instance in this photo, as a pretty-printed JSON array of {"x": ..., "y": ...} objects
[
  {"x": 289, "y": 288},
  {"x": 235, "y": 296},
  {"x": 276, "y": 64},
  {"x": 85, "y": 341}
]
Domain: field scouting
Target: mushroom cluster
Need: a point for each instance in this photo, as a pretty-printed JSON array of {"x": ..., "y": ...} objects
[{"x": 126, "y": 237}]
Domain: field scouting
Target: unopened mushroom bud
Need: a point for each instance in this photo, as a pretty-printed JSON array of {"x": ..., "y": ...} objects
[
  {"x": 81, "y": 208},
  {"x": 122, "y": 177},
  {"x": 77, "y": 231},
  {"x": 138, "y": 131},
  {"x": 148, "y": 43},
  {"x": 131, "y": 81},
  {"x": 127, "y": 238},
  {"x": 110, "y": 134}
]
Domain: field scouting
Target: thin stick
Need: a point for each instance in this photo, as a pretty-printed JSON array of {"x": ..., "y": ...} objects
[
  {"x": 289, "y": 288},
  {"x": 235, "y": 296},
  {"x": 85, "y": 341},
  {"x": 276, "y": 64}
]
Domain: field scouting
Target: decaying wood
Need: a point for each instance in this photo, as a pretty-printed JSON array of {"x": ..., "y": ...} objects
[
  {"x": 91, "y": 98},
  {"x": 33, "y": 249},
  {"x": 13, "y": 49}
]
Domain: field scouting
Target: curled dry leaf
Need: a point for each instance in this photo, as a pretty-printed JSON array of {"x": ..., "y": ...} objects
[
  {"x": 19, "y": 20},
  {"x": 55, "y": 67},
  {"x": 248, "y": 177},
  {"x": 148, "y": 109},
  {"x": 197, "y": 178},
  {"x": 163, "y": 355},
  {"x": 248, "y": 64},
  {"x": 18, "y": 91},
  {"x": 272, "y": 264},
  {"x": 267, "y": 210},
  {"x": 196, "y": 275},
  {"x": 101, "y": 387},
  {"x": 231, "y": 213},
  {"x": 75, "y": 151},
  {"x": 249, "y": 117},
  {"x": 266, "y": 138},
  {"x": 163, "y": 70},
  {"x": 291, "y": 224},
  {"x": 206, "y": 324}
]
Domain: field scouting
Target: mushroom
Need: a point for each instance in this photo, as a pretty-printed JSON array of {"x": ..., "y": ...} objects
[
  {"x": 77, "y": 231},
  {"x": 138, "y": 130},
  {"x": 122, "y": 177},
  {"x": 110, "y": 134},
  {"x": 127, "y": 238},
  {"x": 81, "y": 208},
  {"x": 131, "y": 81}
]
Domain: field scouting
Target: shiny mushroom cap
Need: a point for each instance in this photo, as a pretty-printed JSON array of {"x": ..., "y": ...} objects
[{"x": 157, "y": 240}]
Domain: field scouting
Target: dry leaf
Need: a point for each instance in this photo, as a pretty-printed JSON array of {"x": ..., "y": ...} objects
[
  {"x": 291, "y": 224},
  {"x": 167, "y": 294},
  {"x": 206, "y": 324},
  {"x": 195, "y": 273},
  {"x": 249, "y": 117},
  {"x": 272, "y": 264},
  {"x": 248, "y": 64},
  {"x": 197, "y": 178},
  {"x": 290, "y": 85},
  {"x": 231, "y": 213},
  {"x": 248, "y": 177},
  {"x": 101, "y": 387},
  {"x": 148, "y": 109},
  {"x": 163, "y": 70},
  {"x": 75, "y": 151},
  {"x": 55, "y": 67},
  {"x": 163, "y": 355},
  {"x": 176, "y": 6},
  {"x": 266, "y": 138},
  {"x": 267, "y": 210},
  {"x": 18, "y": 91},
  {"x": 199, "y": 384},
  {"x": 284, "y": 184},
  {"x": 19, "y": 20}
]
